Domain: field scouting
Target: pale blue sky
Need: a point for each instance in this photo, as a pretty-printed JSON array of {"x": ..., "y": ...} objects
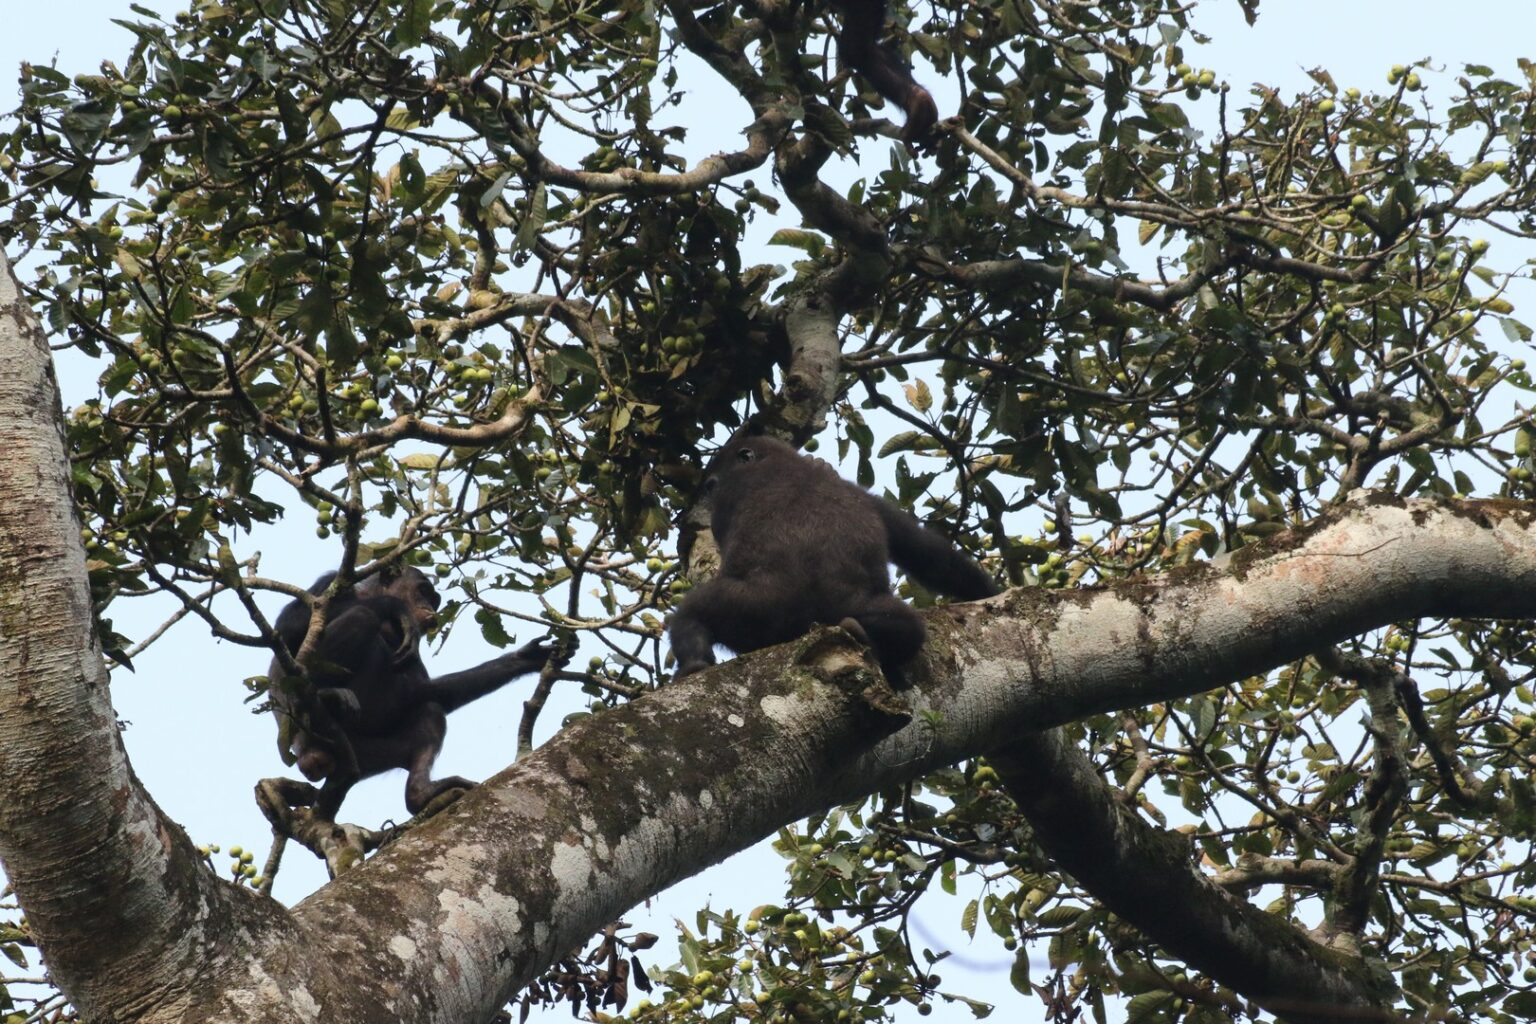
[{"x": 199, "y": 750}]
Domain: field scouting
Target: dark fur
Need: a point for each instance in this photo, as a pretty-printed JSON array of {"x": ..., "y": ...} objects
[
  {"x": 369, "y": 681},
  {"x": 799, "y": 545},
  {"x": 861, "y": 49}
]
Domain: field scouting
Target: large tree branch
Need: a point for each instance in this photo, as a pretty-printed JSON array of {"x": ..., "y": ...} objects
[
  {"x": 762, "y": 134},
  {"x": 1010, "y": 274},
  {"x": 801, "y": 405},
  {"x": 115, "y": 894},
  {"x": 1147, "y": 876}
]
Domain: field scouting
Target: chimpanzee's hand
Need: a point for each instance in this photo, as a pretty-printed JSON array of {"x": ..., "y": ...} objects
[{"x": 535, "y": 654}]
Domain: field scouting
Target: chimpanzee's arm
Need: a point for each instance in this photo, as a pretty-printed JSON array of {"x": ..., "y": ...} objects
[
  {"x": 456, "y": 689},
  {"x": 860, "y": 46}
]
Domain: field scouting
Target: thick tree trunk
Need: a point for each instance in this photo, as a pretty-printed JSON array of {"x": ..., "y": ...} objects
[
  {"x": 446, "y": 923},
  {"x": 114, "y": 893}
]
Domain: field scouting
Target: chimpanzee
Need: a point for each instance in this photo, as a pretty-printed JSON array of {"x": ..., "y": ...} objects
[
  {"x": 799, "y": 545},
  {"x": 860, "y": 47},
  {"x": 370, "y": 684}
]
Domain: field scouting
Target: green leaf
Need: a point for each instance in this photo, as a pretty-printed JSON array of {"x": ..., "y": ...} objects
[
  {"x": 489, "y": 197},
  {"x": 533, "y": 221},
  {"x": 295, "y": 125},
  {"x": 1205, "y": 716},
  {"x": 1148, "y": 1007},
  {"x": 618, "y": 422},
  {"x": 1060, "y": 916},
  {"x": 1521, "y": 1004},
  {"x": 413, "y": 181},
  {"x": 906, "y": 441},
  {"x": 413, "y": 22},
  {"x": 341, "y": 344},
  {"x": 809, "y": 241},
  {"x": 116, "y": 379},
  {"x": 979, "y": 1009},
  {"x": 1018, "y": 974}
]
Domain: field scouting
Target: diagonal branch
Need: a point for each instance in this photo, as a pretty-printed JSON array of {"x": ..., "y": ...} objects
[{"x": 1147, "y": 876}]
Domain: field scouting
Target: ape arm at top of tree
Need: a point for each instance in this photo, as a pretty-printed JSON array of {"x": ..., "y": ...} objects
[{"x": 860, "y": 46}]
